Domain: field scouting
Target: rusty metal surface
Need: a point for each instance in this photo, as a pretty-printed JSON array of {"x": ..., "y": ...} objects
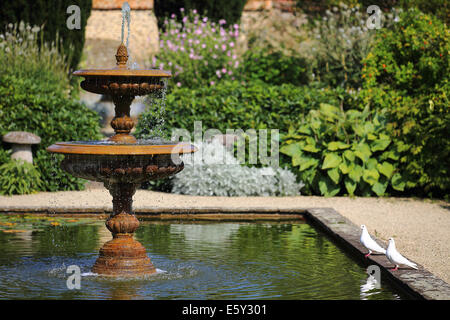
[{"x": 117, "y": 149}]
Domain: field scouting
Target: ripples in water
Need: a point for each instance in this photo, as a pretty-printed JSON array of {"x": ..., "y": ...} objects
[{"x": 195, "y": 261}]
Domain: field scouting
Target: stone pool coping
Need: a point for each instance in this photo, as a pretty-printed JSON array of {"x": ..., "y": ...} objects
[{"x": 419, "y": 284}]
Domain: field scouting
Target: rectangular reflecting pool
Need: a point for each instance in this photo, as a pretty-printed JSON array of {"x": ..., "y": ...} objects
[{"x": 195, "y": 260}]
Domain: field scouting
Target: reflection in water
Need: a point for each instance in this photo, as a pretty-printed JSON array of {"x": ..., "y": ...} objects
[
  {"x": 276, "y": 260},
  {"x": 369, "y": 288},
  {"x": 215, "y": 233}
]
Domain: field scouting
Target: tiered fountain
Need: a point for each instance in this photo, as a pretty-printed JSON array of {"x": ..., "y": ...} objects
[{"x": 122, "y": 162}]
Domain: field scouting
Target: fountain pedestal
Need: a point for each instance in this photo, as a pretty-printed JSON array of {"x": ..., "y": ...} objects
[{"x": 122, "y": 256}]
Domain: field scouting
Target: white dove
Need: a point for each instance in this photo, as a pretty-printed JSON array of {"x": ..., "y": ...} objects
[
  {"x": 369, "y": 243},
  {"x": 396, "y": 258}
]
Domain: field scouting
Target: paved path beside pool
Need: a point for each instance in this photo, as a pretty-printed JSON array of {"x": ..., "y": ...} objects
[{"x": 421, "y": 227}]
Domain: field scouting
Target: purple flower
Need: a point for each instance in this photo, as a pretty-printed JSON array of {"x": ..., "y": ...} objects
[
  {"x": 212, "y": 83},
  {"x": 224, "y": 47},
  {"x": 205, "y": 19},
  {"x": 178, "y": 84},
  {"x": 182, "y": 9},
  {"x": 224, "y": 70},
  {"x": 194, "y": 11},
  {"x": 230, "y": 72},
  {"x": 236, "y": 26},
  {"x": 173, "y": 15},
  {"x": 222, "y": 21},
  {"x": 203, "y": 46},
  {"x": 218, "y": 74},
  {"x": 213, "y": 30},
  {"x": 232, "y": 44},
  {"x": 185, "y": 19}
]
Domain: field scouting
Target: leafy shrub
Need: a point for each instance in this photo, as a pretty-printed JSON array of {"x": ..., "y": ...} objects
[
  {"x": 35, "y": 97},
  {"x": 228, "y": 10},
  {"x": 233, "y": 105},
  {"x": 439, "y": 8},
  {"x": 274, "y": 67},
  {"x": 406, "y": 75},
  {"x": 412, "y": 56},
  {"x": 220, "y": 174},
  {"x": 19, "y": 177},
  {"x": 344, "y": 152},
  {"x": 53, "y": 15},
  {"x": 197, "y": 51}
]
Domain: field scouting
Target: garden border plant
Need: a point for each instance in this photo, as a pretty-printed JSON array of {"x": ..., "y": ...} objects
[
  {"x": 406, "y": 75},
  {"x": 36, "y": 96}
]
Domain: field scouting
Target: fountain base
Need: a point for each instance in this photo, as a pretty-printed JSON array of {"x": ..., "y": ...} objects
[{"x": 123, "y": 257}]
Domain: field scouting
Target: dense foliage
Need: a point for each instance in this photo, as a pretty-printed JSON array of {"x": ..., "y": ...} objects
[
  {"x": 52, "y": 14},
  {"x": 360, "y": 111},
  {"x": 19, "y": 177},
  {"x": 35, "y": 97},
  {"x": 233, "y": 105},
  {"x": 407, "y": 75},
  {"x": 344, "y": 152},
  {"x": 273, "y": 67},
  {"x": 228, "y": 10}
]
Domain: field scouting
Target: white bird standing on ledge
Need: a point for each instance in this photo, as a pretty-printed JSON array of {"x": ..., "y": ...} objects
[
  {"x": 396, "y": 258},
  {"x": 369, "y": 243}
]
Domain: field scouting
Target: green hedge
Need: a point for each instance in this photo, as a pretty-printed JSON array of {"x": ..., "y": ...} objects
[
  {"x": 233, "y": 105},
  {"x": 273, "y": 67},
  {"x": 52, "y": 14},
  {"x": 28, "y": 105},
  {"x": 36, "y": 96}
]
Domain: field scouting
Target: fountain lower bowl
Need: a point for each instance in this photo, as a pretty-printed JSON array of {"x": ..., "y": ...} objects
[
  {"x": 122, "y": 168},
  {"x": 121, "y": 163}
]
